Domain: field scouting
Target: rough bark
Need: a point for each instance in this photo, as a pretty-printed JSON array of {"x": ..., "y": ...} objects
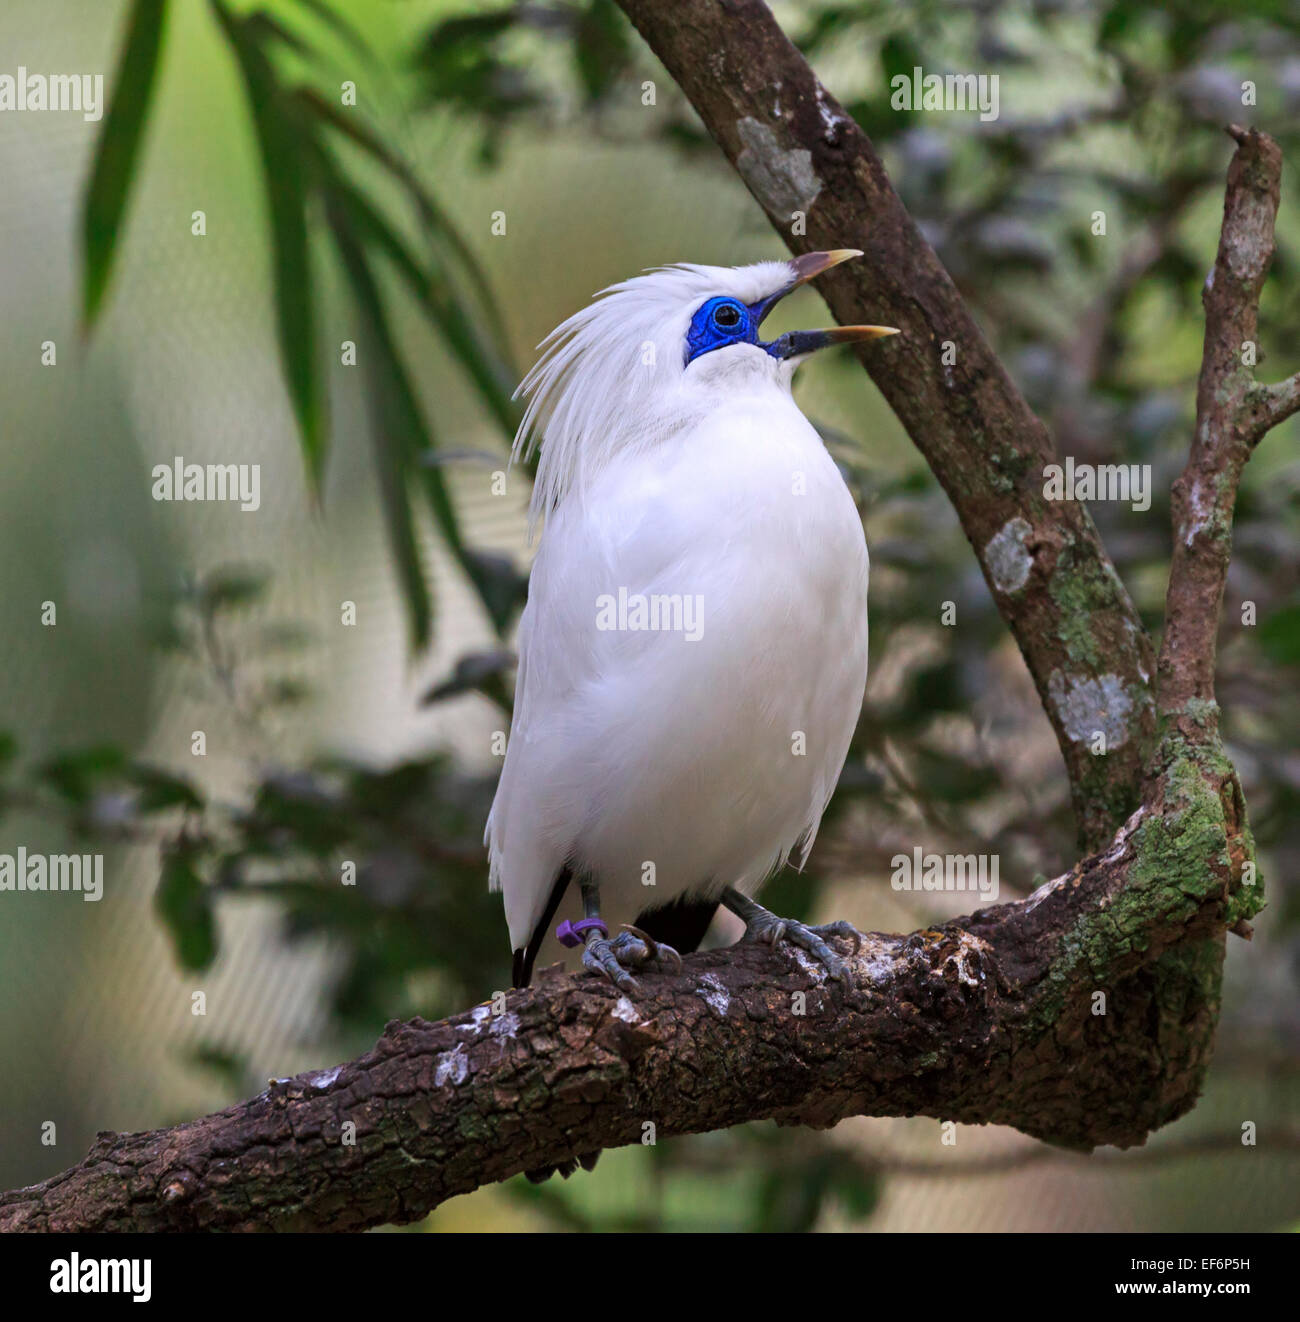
[
  {"x": 1083, "y": 1015},
  {"x": 984, "y": 1019}
]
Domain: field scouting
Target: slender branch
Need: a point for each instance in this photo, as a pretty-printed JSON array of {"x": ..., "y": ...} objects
[
  {"x": 1232, "y": 413},
  {"x": 1269, "y": 406}
]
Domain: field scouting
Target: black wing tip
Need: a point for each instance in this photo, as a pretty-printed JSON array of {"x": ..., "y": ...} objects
[{"x": 522, "y": 973}]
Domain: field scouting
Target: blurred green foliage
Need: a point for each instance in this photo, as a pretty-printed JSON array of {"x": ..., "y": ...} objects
[{"x": 303, "y": 136}]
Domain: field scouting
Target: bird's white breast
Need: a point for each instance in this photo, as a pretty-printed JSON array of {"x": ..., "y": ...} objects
[{"x": 645, "y": 754}]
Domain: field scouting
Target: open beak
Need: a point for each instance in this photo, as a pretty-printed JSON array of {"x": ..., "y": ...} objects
[{"x": 793, "y": 344}]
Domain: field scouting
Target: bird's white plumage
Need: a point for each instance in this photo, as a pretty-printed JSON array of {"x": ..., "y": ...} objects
[{"x": 711, "y": 759}]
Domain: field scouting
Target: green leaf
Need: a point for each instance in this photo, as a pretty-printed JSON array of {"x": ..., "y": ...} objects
[
  {"x": 285, "y": 139},
  {"x": 158, "y": 790},
  {"x": 457, "y": 324},
  {"x": 441, "y": 234},
  {"x": 228, "y": 1067},
  {"x": 602, "y": 48},
  {"x": 859, "y": 1190},
  {"x": 396, "y": 426},
  {"x": 403, "y": 437},
  {"x": 118, "y": 149},
  {"x": 498, "y": 584},
  {"x": 182, "y": 903},
  {"x": 287, "y": 692},
  {"x": 258, "y": 26},
  {"x": 501, "y": 587},
  {"x": 1116, "y": 23},
  {"x": 461, "y": 67},
  {"x": 340, "y": 26},
  {"x": 232, "y": 586},
  {"x": 77, "y": 776},
  {"x": 1279, "y": 636},
  {"x": 478, "y": 672}
]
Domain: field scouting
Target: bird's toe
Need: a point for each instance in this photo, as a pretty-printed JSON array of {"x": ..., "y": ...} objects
[
  {"x": 844, "y": 929},
  {"x": 810, "y": 940},
  {"x": 606, "y": 957},
  {"x": 657, "y": 952}
]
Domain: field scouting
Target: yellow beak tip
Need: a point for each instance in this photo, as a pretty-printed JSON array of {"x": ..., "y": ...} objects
[{"x": 850, "y": 334}]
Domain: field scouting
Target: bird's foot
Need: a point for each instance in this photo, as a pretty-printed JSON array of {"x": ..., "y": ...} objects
[
  {"x": 630, "y": 949},
  {"x": 767, "y": 927}
]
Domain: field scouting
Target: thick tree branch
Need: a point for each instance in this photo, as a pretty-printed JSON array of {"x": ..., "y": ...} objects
[
  {"x": 983, "y": 1020},
  {"x": 804, "y": 158}
]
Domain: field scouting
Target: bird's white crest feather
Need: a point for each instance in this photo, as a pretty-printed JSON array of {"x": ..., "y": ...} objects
[{"x": 590, "y": 392}]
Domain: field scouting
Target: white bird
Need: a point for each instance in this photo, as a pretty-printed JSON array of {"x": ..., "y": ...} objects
[{"x": 693, "y": 654}]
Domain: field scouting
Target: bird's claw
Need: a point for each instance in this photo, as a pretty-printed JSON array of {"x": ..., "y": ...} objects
[
  {"x": 630, "y": 949},
  {"x": 601, "y": 955},
  {"x": 841, "y": 928},
  {"x": 772, "y": 930},
  {"x": 659, "y": 951}
]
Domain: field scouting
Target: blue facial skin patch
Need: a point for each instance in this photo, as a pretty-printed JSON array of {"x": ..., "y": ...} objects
[
  {"x": 723, "y": 321},
  {"x": 717, "y": 323}
]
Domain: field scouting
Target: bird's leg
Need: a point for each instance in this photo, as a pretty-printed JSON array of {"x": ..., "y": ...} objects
[
  {"x": 631, "y": 948},
  {"x": 762, "y": 925}
]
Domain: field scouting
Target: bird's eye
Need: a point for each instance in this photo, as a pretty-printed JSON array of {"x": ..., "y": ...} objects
[{"x": 727, "y": 316}]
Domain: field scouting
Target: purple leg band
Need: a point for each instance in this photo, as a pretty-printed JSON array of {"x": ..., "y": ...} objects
[{"x": 572, "y": 934}]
